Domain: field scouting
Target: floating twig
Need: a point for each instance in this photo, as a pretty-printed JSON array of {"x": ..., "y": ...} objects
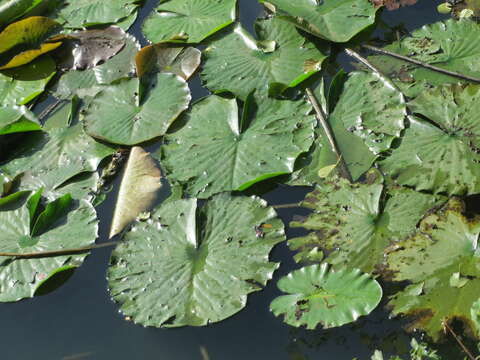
[
  {"x": 287, "y": 206},
  {"x": 322, "y": 119},
  {"x": 422, "y": 64},
  {"x": 459, "y": 341}
]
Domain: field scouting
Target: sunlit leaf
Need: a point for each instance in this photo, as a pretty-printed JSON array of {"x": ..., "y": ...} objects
[
  {"x": 188, "y": 20},
  {"x": 194, "y": 266},
  {"x": 319, "y": 295},
  {"x": 216, "y": 151},
  {"x": 239, "y": 63},
  {"x": 14, "y": 119},
  {"x": 138, "y": 190}
]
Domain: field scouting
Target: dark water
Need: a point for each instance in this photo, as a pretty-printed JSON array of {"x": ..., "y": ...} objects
[{"x": 79, "y": 321}]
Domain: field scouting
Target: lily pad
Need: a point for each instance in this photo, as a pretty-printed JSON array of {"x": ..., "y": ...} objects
[
  {"x": 441, "y": 154},
  {"x": 13, "y": 9},
  {"x": 219, "y": 151},
  {"x": 15, "y": 119},
  {"x": 54, "y": 157},
  {"x": 88, "y": 82},
  {"x": 333, "y": 20},
  {"x": 319, "y": 295},
  {"x": 367, "y": 117},
  {"x": 25, "y": 40},
  {"x": 115, "y": 114},
  {"x": 182, "y": 61},
  {"x": 445, "y": 244},
  {"x": 188, "y": 20},
  {"x": 72, "y": 228},
  {"x": 355, "y": 223},
  {"x": 281, "y": 58},
  {"x": 451, "y": 45},
  {"x": 191, "y": 266},
  {"x": 84, "y": 13},
  {"x": 138, "y": 190},
  {"x": 21, "y": 85}
]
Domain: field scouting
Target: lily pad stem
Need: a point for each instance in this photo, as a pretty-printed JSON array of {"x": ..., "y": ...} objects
[
  {"x": 457, "y": 339},
  {"x": 322, "y": 119},
  {"x": 421, "y": 63},
  {"x": 287, "y": 206},
  {"x": 49, "y": 109},
  {"x": 59, "y": 252}
]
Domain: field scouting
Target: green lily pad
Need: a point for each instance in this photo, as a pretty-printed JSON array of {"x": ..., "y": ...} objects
[
  {"x": 21, "y": 85},
  {"x": 240, "y": 64},
  {"x": 191, "y": 266},
  {"x": 115, "y": 115},
  {"x": 367, "y": 117},
  {"x": 219, "y": 151},
  {"x": 188, "y": 20},
  {"x": 15, "y": 119},
  {"x": 13, "y": 9},
  {"x": 441, "y": 154},
  {"x": 445, "y": 244},
  {"x": 355, "y": 223},
  {"x": 333, "y": 20},
  {"x": 54, "y": 157},
  {"x": 20, "y": 277},
  {"x": 451, "y": 45},
  {"x": 84, "y": 13},
  {"x": 319, "y": 295}
]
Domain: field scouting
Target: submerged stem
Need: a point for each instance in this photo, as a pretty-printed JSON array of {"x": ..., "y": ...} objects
[
  {"x": 59, "y": 252},
  {"x": 457, "y": 339},
  {"x": 422, "y": 64},
  {"x": 322, "y": 119}
]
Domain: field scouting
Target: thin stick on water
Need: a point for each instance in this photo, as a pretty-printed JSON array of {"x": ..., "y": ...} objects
[
  {"x": 322, "y": 119},
  {"x": 59, "y": 252},
  {"x": 459, "y": 341},
  {"x": 421, "y": 63}
]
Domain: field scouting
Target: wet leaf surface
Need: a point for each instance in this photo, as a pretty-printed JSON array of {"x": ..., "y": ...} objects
[
  {"x": 321, "y": 296},
  {"x": 192, "y": 266},
  {"x": 215, "y": 151}
]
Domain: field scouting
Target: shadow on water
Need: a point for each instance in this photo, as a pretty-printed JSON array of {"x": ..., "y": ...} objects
[{"x": 79, "y": 321}]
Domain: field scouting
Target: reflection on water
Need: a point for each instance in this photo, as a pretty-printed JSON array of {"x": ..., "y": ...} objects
[{"x": 79, "y": 321}]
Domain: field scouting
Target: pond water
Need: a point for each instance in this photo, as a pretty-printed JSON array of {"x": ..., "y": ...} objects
[{"x": 79, "y": 321}]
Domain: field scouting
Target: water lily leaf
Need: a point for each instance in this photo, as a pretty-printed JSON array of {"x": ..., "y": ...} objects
[
  {"x": 19, "y": 278},
  {"x": 168, "y": 58},
  {"x": 115, "y": 116},
  {"x": 441, "y": 154},
  {"x": 24, "y": 41},
  {"x": 92, "y": 47},
  {"x": 188, "y": 20},
  {"x": 240, "y": 64},
  {"x": 21, "y": 85},
  {"x": 445, "y": 244},
  {"x": 215, "y": 151},
  {"x": 88, "y": 82},
  {"x": 452, "y": 45},
  {"x": 15, "y": 119},
  {"x": 367, "y": 117},
  {"x": 138, "y": 190},
  {"x": 54, "y": 157},
  {"x": 334, "y": 20},
  {"x": 14, "y": 9},
  {"x": 319, "y": 295},
  {"x": 356, "y": 222},
  {"x": 84, "y": 13},
  {"x": 191, "y": 266}
]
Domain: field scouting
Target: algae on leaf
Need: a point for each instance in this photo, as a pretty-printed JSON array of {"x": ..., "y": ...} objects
[
  {"x": 355, "y": 223},
  {"x": 188, "y": 21},
  {"x": 72, "y": 227},
  {"x": 445, "y": 244},
  {"x": 333, "y": 20},
  {"x": 218, "y": 151},
  {"x": 319, "y": 295},
  {"x": 440, "y": 154},
  {"x": 193, "y": 266},
  {"x": 281, "y": 57}
]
